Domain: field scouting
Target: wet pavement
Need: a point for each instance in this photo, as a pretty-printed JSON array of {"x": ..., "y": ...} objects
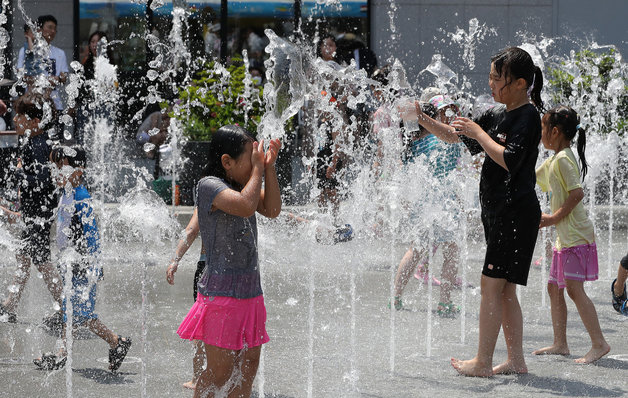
[{"x": 331, "y": 332}]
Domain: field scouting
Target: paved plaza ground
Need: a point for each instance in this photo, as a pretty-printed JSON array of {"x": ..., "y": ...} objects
[{"x": 331, "y": 331}]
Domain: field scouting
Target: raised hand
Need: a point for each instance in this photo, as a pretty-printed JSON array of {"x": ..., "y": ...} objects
[
  {"x": 272, "y": 152},
  {"x": 257, "y": 156}
]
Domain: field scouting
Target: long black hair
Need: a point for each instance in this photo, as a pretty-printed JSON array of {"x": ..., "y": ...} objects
[
  {"x": 568, "y": 123},
  {"x": 228, "y": 140},
  {"x": 515, "y": 63}
]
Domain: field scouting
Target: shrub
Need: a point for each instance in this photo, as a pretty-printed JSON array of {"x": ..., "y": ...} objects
[{"x": 216, "y": 97}]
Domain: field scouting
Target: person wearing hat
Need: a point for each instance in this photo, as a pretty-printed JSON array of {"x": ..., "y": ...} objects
[{"x": 442, "y": 161}]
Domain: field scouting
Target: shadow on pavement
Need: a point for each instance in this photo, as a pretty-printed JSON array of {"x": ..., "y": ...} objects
[
  {"x": 103, "y": 376},
  {"x": 567, "y": 387}
]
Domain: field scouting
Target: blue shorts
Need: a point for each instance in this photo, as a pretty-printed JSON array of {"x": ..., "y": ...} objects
[{"x": 83, "y": 300}]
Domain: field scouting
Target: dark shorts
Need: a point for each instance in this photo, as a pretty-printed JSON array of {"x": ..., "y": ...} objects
[
  {"x": 36, "y": 240},
  {"x": 197, "y": 275},
  {"x": 624, "y": 262},
  {"x": 510, "y": 240},
  {"x": 322, "y": 163}
]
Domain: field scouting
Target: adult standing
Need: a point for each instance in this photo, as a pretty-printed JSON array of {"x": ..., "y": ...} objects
[
  {"x": 56, "y": 64},
  {"x": 86, "y": 101}
]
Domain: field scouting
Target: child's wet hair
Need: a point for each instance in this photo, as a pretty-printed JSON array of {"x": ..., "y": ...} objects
[
  {"x": 31, "y": 105},
  {"x": 567, "y": 121},
  {"x": 228, "y": 140},
  {"x": 515, "y": 63},
  {"x": 75, "y": 155}
]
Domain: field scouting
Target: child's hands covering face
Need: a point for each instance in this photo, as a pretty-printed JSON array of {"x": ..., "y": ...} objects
[
  {"x": 257, "y": 155},
  {"x": 273, "y": 151}
]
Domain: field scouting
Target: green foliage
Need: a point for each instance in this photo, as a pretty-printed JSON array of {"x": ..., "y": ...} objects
[
  {"x": 595, "y": 72},
  {"x": 214, "y": 99}
]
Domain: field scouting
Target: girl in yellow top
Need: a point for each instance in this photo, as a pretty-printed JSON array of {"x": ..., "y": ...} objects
[{"x": 575, "y": 253}]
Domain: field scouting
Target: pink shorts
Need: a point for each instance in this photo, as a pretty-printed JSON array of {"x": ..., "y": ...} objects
[
  {"x": 226, "y": 322},
  {"x": 576, "y": 263}
]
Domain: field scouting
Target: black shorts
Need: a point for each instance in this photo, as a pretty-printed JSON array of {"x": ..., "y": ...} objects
[
  {"x": 510, "y": 239},
  {"x": 197, "y": 275},
  {"x": 36, "y": 240},
  {"x": 322, "y": 163}
]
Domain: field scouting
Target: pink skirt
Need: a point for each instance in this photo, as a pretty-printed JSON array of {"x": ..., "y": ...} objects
[
  {"x": 226, "y": 322},
  {"x": 576, "y": 263}
]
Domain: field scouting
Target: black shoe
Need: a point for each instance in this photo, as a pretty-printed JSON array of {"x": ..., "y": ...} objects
[
  {"x": 6, "y": 316},
  {"x": 620, "y": 303},
  {"x": 50, "y": 362},
  {"x": 116, "y": 355},
  {"x": 54, "y": 321},
  {"x": 343, "y": 234}
]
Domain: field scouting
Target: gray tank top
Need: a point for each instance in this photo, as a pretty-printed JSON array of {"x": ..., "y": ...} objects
[{"x": 231, "y": 246}]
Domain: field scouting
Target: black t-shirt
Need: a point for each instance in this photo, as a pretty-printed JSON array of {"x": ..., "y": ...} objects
[
  {"x": 37, "y": 198},
  {"x": 519, "y": 131}
]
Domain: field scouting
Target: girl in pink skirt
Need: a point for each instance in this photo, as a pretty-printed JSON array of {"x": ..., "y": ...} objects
[
  {"x": 229, "y": 316},
  {"x": 575, "y": 255}
]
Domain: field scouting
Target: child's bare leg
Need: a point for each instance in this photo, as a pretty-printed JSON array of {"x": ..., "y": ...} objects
[
  {"x": 197, "y": 364},
  {"x": 449, "y": 271},
  {"x": 220, "y": 366},
  {"x": 21, "y": 277},
  {"x": 559, "y": 322},
  {"x": 586, "y": 309},
  {"x": 248, "y": 363},
  {"x": 52, "y": 280},
  {"x": 407, "y": 265},
  {"x": 512, "y": 325},
  {"x": 490, "y": 322},
  {"x": 102, "y": 331}
]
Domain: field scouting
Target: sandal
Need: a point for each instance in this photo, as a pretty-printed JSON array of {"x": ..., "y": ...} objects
[
  {"x": 398, "y": 304},
  {"x": 620, "y": 303},
  {"x": 49, "y": 362},
  {"x": 447, "y": 310},
  {"x": 116, "y": 355}
]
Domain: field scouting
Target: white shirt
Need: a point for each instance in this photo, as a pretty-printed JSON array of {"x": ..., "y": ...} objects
[{"x": 61, "y": 66}]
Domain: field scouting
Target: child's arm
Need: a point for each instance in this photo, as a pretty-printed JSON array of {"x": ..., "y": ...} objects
[
  {"x": 473, "y": 130},
  {"x": 12, "y": 216},
  {"x": 575, "y": 196},
  {"x": 191, "y": 232},
  {"x": 244, "y": 203},
  {"x": 270, "y": 198},
  {"x": 441, "y": 130}
]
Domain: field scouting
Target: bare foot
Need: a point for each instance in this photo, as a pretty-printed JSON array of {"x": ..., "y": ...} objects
[
  {"x": 552, "y": 350},
  {"x": 190, "y": 384},
  {"x": 594, "y": 354},
  {"x": 510, "y": 368},
  {"x": 471, "y": 368}
]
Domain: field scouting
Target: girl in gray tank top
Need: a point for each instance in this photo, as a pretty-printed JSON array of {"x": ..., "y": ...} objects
[{"x": 229, "y": 314}]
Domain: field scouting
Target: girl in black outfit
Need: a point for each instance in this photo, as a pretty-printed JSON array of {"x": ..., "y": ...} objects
[
  {"x": 509, "y": 135},
  {"x": 37, "y": 199}
]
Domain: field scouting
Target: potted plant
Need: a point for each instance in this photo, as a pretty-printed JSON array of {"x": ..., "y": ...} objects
[{"x": 216, "y": 96}]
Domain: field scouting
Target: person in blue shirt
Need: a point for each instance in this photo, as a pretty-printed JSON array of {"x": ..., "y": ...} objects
[{"x": 77, "y": 233}]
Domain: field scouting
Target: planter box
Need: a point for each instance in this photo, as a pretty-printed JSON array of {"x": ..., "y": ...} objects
[{"x": 195, "y": 153}]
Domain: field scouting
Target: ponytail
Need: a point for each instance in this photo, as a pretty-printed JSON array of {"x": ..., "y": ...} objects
[
  {"x": 582, "y": 145},
  {"x": 535, "y": 89},
  {"x": 568, "y": 123},
  {"x": 515, "y": 63}
]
